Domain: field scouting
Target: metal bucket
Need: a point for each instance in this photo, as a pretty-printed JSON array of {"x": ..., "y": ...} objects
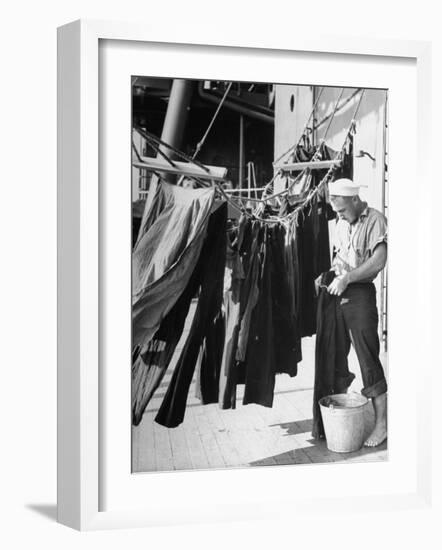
[{"x": 343, "y": 417}]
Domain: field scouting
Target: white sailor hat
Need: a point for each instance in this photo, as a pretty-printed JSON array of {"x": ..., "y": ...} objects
[{"x": 343, "y": 187}]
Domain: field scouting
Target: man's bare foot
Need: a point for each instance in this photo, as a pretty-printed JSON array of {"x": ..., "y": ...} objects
[
  {"x": 379, "y": 433},
  {"x": 377, "y": 436}
]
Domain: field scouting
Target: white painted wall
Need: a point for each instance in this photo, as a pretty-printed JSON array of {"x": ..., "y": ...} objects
[
  {"x": 289, "y": 122},
  {"x": 369, "y": 137},
  {"x": 293, "y": 105}
]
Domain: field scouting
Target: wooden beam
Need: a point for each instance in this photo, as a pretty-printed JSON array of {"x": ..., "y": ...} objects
[
  {"x": 181, "y": 168},
  {"x": 299, "y": 166}
]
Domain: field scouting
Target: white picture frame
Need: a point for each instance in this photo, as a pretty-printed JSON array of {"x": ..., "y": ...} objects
[{"x": 80, "y": 438}]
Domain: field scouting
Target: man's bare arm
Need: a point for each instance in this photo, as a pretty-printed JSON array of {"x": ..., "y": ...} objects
[
  {"x": 366, "y": 271},
  {"x": 371, "y": 267}
]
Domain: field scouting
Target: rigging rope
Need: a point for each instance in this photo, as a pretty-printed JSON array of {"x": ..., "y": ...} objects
[
  {"x": 341, "y": 106},
  {"x": 315, "y": 156},
  {"x": 332, "y": 116},
  {"x": 293, "y": 147},
  {"x": 294, "y": 214},
  {"x": 256, "y": 215},
  {"x": 203, "y": 139}
]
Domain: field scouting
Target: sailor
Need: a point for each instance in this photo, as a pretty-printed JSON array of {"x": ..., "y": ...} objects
[{"x": 360, "y": 254}]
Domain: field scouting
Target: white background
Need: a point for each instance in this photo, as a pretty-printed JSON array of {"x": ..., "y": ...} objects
[{"x": 28, "y": 274}]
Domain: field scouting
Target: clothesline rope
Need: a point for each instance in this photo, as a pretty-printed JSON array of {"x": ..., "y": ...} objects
[
  {"x": 332, "y": 115},
  {"x": 315, "y": 155},
  {"x": 151, "y": 137},
  {"x": 294, "y": 147},
  {"x": 239, "y": 207},
  {"x": 203, "y": 139},
  {"x": 351, "y": 130},
  {"x": 341, "y": 106},
  {"x": 292, "y": 216}
]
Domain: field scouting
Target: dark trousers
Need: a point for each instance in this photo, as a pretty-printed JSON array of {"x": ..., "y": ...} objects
[
  {"x": 342, "y": 320},
  {"x": 357, "y": 312}
]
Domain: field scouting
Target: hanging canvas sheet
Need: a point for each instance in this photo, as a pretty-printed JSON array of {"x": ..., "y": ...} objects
[
  {"x": 164, "y": 280},
  {"x": 166, "y": 253}
]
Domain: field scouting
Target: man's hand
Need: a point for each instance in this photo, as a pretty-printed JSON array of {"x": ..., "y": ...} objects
[{"x": 338, "y": 285}]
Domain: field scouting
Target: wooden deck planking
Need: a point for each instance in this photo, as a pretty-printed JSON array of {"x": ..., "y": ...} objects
[
  {"x": 236, "y": 428},
  {"x": 145, "y": 447},
  {"x": 278, "y": 417},
  {"x": 266, "y": 432},
  {"x": 259, "y": 435},
  {"x": 163, "y": 448},
  {"x": 273, "y": 435},
  {"x": 208, "y": 440},
  {"x": 223, "y": 438},
  {"x": 135, "y": 450},
  {"x": 180, "y": 449},
  {"x": 246, "y": 436},
  {"x": 197, "y": 452}
]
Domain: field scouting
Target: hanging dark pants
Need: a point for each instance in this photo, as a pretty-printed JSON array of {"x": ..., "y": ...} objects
[
  {"x": 332, "y": 347},
  {"x": 268, "y": 341},
  {"x": 172, "y": 410},
  {"x": 228, "y": 372},
  {"x": 310, "y": 252},
  {"x": 260, "y": 357},
  {"x": 286, "y": 338},
  {"x": 239, "y": 303},
  {"x": 313, "y": 256},
  {"x": 209, "y": 362},
  {"x": 342, "y": 320},
  {"x": 253, "y": 240},
  {"x": 232, "y": 307}
]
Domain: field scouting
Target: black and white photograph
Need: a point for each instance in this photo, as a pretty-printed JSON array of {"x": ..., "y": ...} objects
[
  {"x": 221, "y": 238},
  {"x": 259, "y": 274}
]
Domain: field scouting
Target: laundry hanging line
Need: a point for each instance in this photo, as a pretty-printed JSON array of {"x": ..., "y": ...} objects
[
  {"x": 292, "y": 148},
  {"x": 156, "y": 144},
  {"x": 293, "y": 216},
  {"x": 313, "y": 159},
  {"x": 149, "y": 139},
  {"x": 313, "y": 192}
]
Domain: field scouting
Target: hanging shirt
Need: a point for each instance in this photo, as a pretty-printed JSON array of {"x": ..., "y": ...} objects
[{"x": 354, "y": 243}]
